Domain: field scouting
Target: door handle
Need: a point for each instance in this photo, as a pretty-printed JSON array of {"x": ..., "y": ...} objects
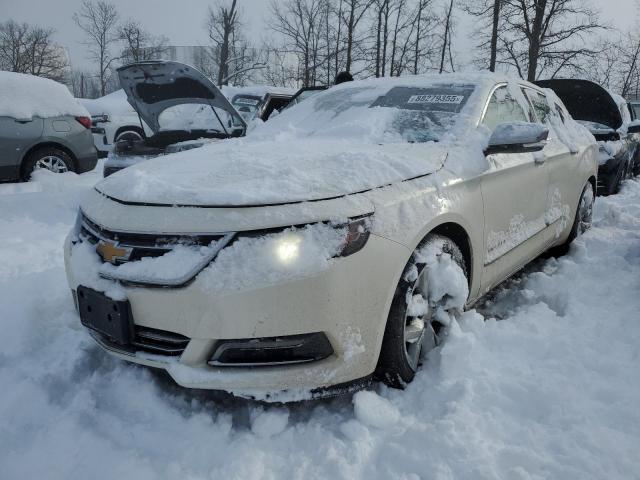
[{"x": 23, "y": 121}]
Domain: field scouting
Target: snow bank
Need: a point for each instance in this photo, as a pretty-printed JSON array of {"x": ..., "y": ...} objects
[
  {"x": 25, "y": 96},
  {"x": 550, "y": 390}
]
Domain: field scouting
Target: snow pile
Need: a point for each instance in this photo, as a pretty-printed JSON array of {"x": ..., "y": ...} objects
[{"x": 25, "y": 96}]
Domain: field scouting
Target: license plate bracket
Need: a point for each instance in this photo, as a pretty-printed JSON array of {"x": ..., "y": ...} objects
[{"x": 111, "y": 318}]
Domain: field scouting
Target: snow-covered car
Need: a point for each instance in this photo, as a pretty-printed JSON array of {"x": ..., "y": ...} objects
[
  {"x": 41, "y": 126},
  {"x": 181, "y": 107},
  {"x": 608, "y": 118},
  {"x": 304, "y": 93},
  {"x": 311, "y": 258},
  {"x": 113, "y": 119}
]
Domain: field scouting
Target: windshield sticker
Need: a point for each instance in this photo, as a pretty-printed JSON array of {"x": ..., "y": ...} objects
[
  {"x": 436, "y": 98},
  {"x": 447, "y": 99}
]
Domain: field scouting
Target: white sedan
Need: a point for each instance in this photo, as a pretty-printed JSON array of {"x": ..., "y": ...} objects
[{"x": 336, "y": 243}]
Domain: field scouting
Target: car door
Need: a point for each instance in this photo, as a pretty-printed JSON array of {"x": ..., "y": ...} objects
[
  {"x": 514, "y": 192},
  {"x": 16, "y": 136},
  {"x": 561, "y": 157}
]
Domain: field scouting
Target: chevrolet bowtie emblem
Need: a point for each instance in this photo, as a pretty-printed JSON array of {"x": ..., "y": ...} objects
[{"x": 111, "y": 253}]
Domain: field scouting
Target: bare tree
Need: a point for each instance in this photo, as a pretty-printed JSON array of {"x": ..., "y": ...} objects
[
  {"x": 30, "y": 49},
  {"x": 222, "y": 23},
  {"x": 488, "y": 14},
  {"x": 546, "y": 35},
  {"x": 301, "y": 22},
  {"x": 98, "y": 20},
  {"x": 446, "y": 38},
  {"x": 351, "y": 16},
  {"x": 139, "y": 44}
]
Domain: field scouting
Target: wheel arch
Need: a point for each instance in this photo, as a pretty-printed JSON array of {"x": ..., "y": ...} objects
[{"x": 48, "y": 144}]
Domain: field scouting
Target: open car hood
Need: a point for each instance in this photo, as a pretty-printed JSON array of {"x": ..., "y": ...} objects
[
  {"x": 243, "y": 173},
  {"x": 586, "y": 101},
  {"x": 154, "y": 86}
]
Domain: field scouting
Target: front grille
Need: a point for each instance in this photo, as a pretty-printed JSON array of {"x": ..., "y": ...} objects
[
  {"x": 142, "y": 244},
  {"x": 160, "y": 342}
]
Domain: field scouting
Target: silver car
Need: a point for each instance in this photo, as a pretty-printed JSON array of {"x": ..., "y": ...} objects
[{"x": 42, "y": 126}]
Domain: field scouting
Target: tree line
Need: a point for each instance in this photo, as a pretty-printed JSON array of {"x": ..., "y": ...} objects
[{"x": 307, "y": 42}]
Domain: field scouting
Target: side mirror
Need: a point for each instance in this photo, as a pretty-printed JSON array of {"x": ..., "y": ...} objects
[{"x": 517, "y": 137}]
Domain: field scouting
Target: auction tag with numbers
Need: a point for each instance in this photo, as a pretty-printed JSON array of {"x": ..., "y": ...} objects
[{"x": 447, "y": 99}]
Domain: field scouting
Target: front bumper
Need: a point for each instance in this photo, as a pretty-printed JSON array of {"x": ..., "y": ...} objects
[{"x": 348, "y": 302}]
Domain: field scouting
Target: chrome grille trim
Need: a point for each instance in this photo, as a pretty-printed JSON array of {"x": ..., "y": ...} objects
[{"x": 152, "y": 245}]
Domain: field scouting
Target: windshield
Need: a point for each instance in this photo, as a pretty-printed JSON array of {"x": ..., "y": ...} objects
[
  {"x": 247, "y": 106},
  {"x": 382, "y": 113}
]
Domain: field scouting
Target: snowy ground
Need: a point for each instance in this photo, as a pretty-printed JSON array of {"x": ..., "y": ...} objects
[{"x": 551, "y": 391}]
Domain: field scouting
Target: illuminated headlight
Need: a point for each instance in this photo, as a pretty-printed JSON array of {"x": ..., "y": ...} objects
[
  {"x": 352, "y": 237},
  {"x": 288, "y": 248}
]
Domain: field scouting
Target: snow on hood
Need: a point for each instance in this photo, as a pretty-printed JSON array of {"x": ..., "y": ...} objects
[
  {"x": 25, "y": 96},
  {"x": 241, "y": 172}
]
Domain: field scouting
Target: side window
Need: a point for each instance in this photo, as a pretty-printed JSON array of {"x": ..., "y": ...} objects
[
  {"x": 503, "y": 108},
  {"x": 540, "y": 105}
]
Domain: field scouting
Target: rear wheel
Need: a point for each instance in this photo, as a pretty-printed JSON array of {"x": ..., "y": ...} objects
[
  {"x": 48, "y": 158},
  {"x": 130, "y": 135},
  {"x": 421, "y": 308}
]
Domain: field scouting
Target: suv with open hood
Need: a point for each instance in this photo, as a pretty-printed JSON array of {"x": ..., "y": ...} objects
[
  {"x": 608, "y": 118},
  {"x": 180, "y": 105}
]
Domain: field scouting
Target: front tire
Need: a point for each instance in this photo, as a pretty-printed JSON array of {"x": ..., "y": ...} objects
[
  {"x": 420, "y": 309},
  {"x": 48, "y": 158}
]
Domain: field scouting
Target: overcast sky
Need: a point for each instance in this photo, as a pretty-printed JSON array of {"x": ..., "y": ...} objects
[{"x": 182, "y": 21}]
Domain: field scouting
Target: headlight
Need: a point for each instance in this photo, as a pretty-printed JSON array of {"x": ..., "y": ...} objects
[{"x": 357, "y": 234}]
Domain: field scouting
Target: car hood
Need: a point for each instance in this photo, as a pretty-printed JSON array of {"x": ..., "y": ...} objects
[
  {"x": 586, "y": 101},
  {"x": 154, "y": 86},
  {"x": 241, "y": 172}
]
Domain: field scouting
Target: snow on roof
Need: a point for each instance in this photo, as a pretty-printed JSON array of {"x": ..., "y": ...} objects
[
  {"x": 114, "y": 103},
  {"x": 25, "y": 96}
]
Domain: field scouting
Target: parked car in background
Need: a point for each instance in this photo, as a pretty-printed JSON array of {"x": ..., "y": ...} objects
[
  {"x": 182, "y": 108},
  {"x": 42, "y": 126},
  {"x": 339, "y": 250},
  {"x": 304, "y": 93},
  {"x": 252, "y": 106},
  {"x": 608, "y": 118},
  {"x": 113, "y": 119}
]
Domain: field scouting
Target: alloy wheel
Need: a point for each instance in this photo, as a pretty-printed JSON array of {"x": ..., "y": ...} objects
[
  {"x": 52, "y": 163},
  {"x": 419, "y": 334}
]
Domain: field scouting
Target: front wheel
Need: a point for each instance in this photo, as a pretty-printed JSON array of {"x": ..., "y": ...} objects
[
  {"x": 433, "y": 286},
  {"x": 584, "y": 214}
]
